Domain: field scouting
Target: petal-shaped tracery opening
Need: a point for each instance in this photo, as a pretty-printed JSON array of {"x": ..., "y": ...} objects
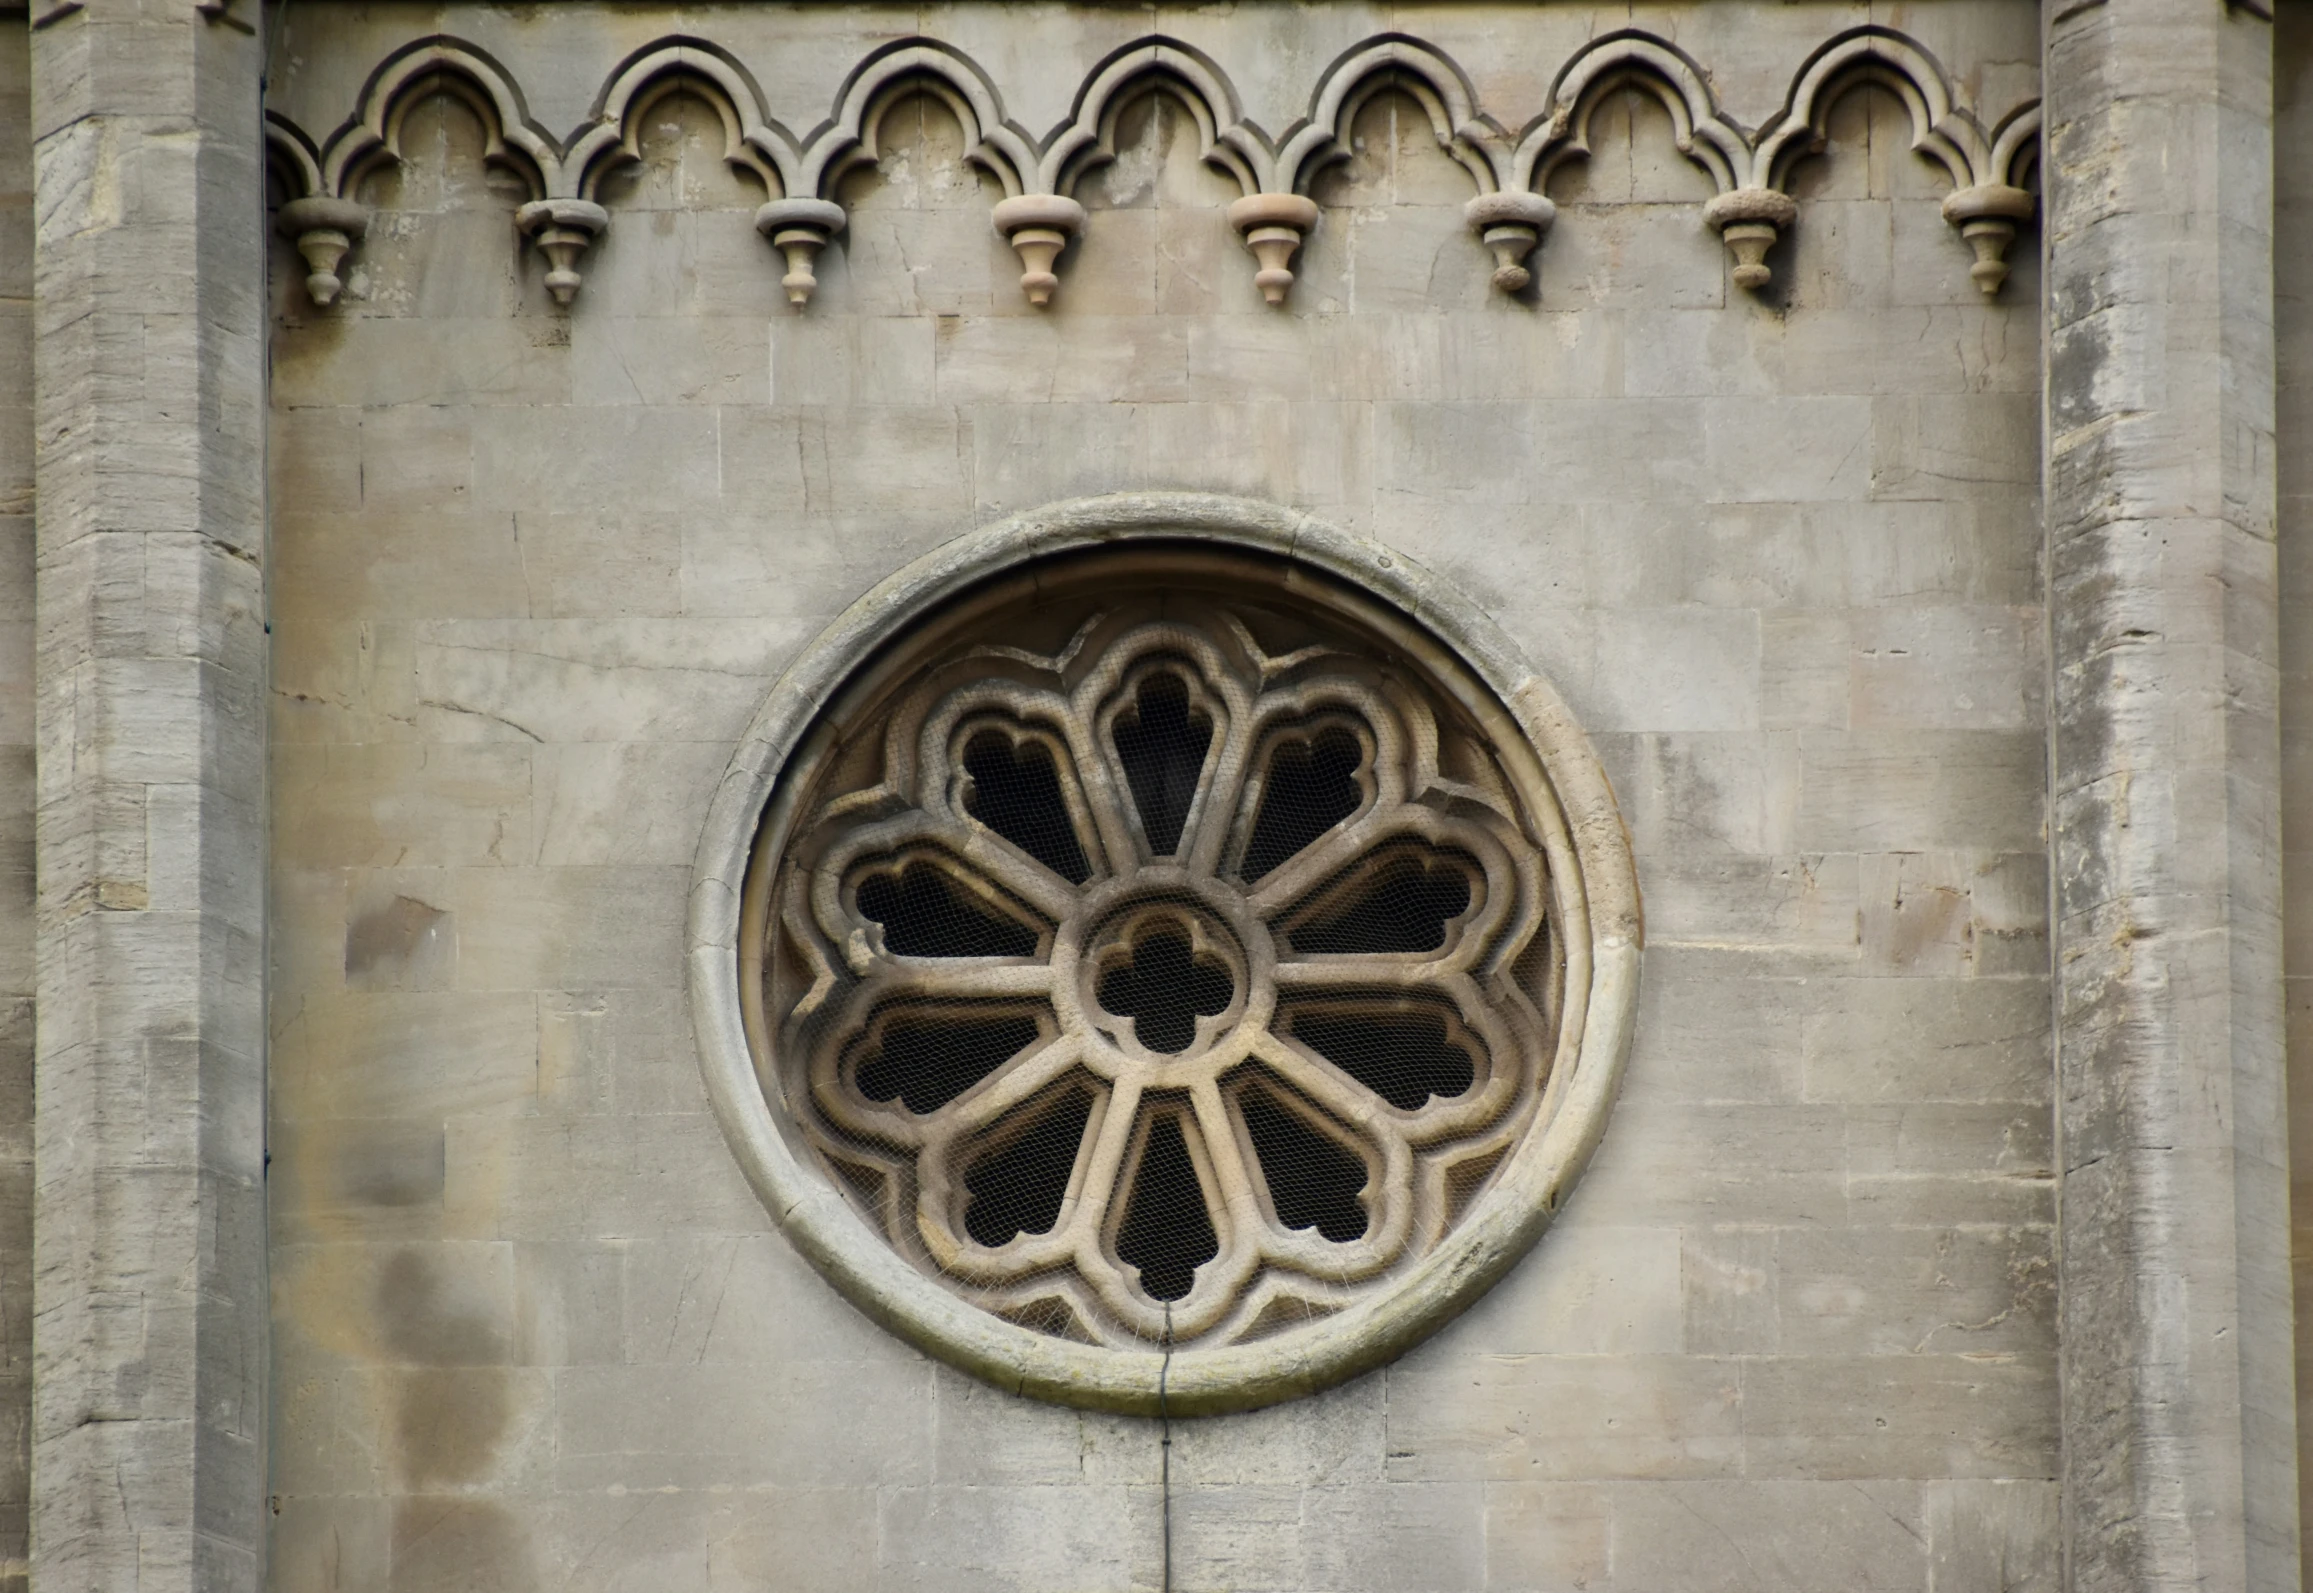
[
  {"x": 927, "y": 913},
  {"x": 1408, "y": 1054},
  {"x": 1015, "y": 791},
  {"x": 1161, "y": 741},
  {"x": 1396, "y": 899},
  {"x": 1020, "y": 1183},
  {"x": 926, "y": 1057},
  {"x": 1309, "y": 785},
  {"x": 1167, "y": 1231},
  {"x": 1314, "y": 1180}
]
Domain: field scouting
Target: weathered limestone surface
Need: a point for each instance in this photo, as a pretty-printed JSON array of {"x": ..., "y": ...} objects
[
  {"x": 2293, "y": 289},
  {"x": 149, "y": 1264},
  {"x": 2180, "y": 1442},
  {"x": 16, "y": 796},
  {"x": 535, "y": 570}
]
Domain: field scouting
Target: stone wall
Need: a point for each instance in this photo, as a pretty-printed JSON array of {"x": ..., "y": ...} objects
[
  {"x": 2293, "y": 292},
  {"x": 2166, "y": 797},
  {"x": 16, "y": 792},
  {"x": 148, "y": 1266},
  {"x": 534, "y": 570}
]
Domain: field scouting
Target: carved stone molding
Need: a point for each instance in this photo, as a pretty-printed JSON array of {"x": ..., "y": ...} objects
[
  {"x": 1511, "y": 225},
  {"x": 322, "y": 225},
  {"x": 1039, "y": 226},
  {"x": 323, "y": 230},
  {"x": 1635, "y": 60},
  {"x": 799, "y": 229},
  {"x": 1509, "y": 220},
  {"x": 752, "y": 143},
  {"x": 1989, "y": 164},
  {"x": 1749, "y": 220},
  {"x": 562, "y": 228},
  {"x": 1986, "y": 166},
  {"x": 1987, "y": 214},
  {"x": 1273, "y": 226}
]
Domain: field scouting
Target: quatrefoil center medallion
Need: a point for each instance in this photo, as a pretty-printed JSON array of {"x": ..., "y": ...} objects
[{"x": 1168, "y": 975}]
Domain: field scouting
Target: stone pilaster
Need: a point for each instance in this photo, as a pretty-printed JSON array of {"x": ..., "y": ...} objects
[
  {"x": 149, "y": 1232},
  {"x": 2179, "y": 1431}
]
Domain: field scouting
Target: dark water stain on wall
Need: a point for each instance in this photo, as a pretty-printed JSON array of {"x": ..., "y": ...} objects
[
  {"x": 400, "y": 944},
  {"x": 387, "y": 1164},
  {"x": 447, "y": 1423},
  {"x": 452, "y": 1400}
]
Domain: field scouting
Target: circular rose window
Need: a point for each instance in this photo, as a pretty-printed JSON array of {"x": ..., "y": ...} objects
[{"x": 1163, "y": 957}]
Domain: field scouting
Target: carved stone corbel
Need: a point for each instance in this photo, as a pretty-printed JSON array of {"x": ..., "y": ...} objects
[
  {"x": 562, "y": 229},
  {"x": 323, "y": 230},
  {"x": 1511, "y": 225},
  {"x": 1039, "y": 227},
  {"x": 1986, "y": 215},
  {"x": 799, "y": 229},
  {"x": 1273, "y": 226},
  {"x": 1750, "y": 220}
]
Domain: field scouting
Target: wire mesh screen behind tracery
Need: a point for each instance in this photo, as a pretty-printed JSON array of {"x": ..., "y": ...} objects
[{"x": 1175, "y": 958}]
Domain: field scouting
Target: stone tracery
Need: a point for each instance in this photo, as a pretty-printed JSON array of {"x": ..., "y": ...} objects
[
  {"x": 1168, "y": 900},
  {"x": 1988, "y": 163}
]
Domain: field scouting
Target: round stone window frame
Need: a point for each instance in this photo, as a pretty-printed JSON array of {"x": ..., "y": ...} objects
[{"x": 1599, "y": 892}]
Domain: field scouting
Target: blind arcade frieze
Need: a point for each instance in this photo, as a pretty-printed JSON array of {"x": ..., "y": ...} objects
[{"x": 1989, "y": 160}]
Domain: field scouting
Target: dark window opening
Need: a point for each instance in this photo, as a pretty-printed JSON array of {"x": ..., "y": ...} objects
[
  {"x": 1314, "y": 1181},
  {"x": 1165, "y": 989},
  {"x": 1404, "y": 1057},
  {"x": 926, "y": 914},
  {"x": 1402, "y": 903},
  {"x": 1018, "y": 1187},
  {"x": 1016, "y": 792},
  {"x": 1161, "y": 742},
  {"x": 1166, "y": 1233},
  {"x": 926, "y": 1062},
  {"x": 1309, "y": 787}
]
